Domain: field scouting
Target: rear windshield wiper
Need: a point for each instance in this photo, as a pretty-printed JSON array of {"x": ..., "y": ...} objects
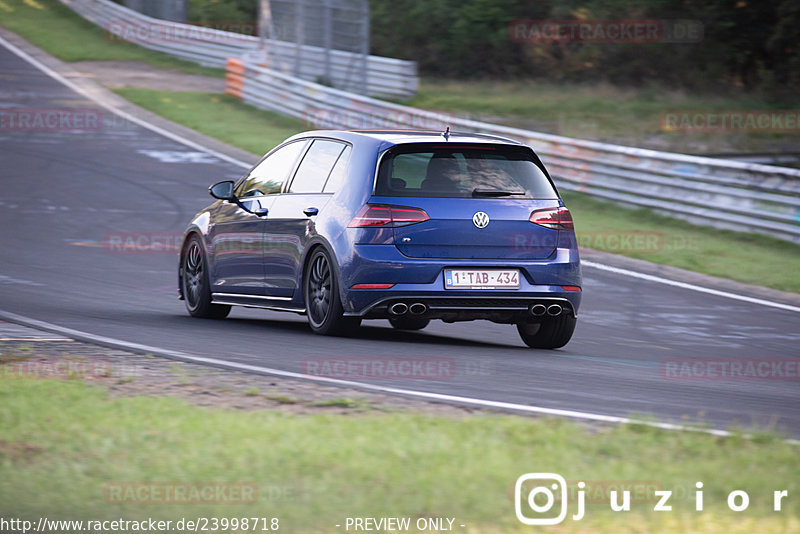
[{"x": 495, "y": 193}]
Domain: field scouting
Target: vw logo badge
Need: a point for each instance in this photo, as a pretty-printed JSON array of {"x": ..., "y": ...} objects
[{"x": 480, "y": 220}]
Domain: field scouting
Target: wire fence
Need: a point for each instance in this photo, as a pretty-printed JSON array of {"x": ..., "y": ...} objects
[
  {"x": 354, "y": 71},
  {"x": 328, "y": 25}
]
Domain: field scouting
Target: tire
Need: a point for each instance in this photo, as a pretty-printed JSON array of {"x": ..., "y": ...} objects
[
  {"x": 195, "y": 285},
  {"x": 321, "y": 295},
  {"x": 549, "y": 334},
  {"x": 409, "y": 323}
]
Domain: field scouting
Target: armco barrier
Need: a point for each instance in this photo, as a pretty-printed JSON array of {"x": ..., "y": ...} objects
[
  {"x": 386, "y": 77},
  {"x": 741, "y": 196}
]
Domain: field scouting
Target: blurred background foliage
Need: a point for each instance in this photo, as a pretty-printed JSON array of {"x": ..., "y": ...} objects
[
  {"x": 214, "y": 11},
  {"x": 748, "y": 45}
]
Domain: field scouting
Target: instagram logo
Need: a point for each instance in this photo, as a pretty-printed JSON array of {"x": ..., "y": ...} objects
[{"x": 538, "y": 491}]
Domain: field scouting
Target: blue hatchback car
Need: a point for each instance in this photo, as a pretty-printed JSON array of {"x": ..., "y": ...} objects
[{"x": 407, "y": 226}]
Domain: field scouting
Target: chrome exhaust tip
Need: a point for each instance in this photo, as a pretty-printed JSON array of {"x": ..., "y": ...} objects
[
  {"x": 537, "y": 310},
  {"x": 398, "y": 308},
  {"x": 554, "y": 309},
  {"x": 418, "y": 308}
]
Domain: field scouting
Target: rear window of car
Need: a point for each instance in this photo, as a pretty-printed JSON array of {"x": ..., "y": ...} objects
[{"x": 454, "y": 171}]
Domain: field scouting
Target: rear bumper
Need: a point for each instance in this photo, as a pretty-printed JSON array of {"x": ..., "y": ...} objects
[
  {"x": 420, "y": 280},
  {"x": 454, "y": 308}
]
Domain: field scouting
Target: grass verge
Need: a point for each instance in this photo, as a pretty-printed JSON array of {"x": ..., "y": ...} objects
[
  {"x": 603, "y": 112},
  {"x": 219, "y": 116},
  {"x": 645, "y": 235},
  {"x": 55, "y": 28},
  {"x": 636, "y": 233},
  {"x": 65, "y": 444}
]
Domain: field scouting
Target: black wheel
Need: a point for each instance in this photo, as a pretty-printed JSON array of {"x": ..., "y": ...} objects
[
  {"x": 321, "y": 293},
  {"x": 409, "y": 323},
  {"x": 196, "y": 288},
  {"x": 549, "y": 334}
]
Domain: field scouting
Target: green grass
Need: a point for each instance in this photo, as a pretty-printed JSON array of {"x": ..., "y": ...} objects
[
  {"x": 602, "y": 112},
  {"x": 58, "y": 30},
  {"x": 219, "y": 116},
  {"x": 749, "y": 258},
  {"x": 359, "y": 403},
  {"x": 61, "y": 442}
]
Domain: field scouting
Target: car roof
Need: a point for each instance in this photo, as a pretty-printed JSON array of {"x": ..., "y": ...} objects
[{"x": 399, "y": 137}]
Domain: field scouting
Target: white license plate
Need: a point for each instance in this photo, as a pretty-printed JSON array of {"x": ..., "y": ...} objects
[{"x": 481, "y": 279}]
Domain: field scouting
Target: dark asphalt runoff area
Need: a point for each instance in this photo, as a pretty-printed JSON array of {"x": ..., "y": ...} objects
[{"x": 67, "y": 197}]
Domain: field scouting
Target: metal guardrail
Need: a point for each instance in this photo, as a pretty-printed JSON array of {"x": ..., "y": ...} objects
[
  {"x": 386, "y": 77},
  {"x": 740, "y": 196},
  {"x": 728, "y": 194}
]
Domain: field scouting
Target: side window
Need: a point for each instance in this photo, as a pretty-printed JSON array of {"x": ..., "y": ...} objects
[
  {"x": 313, "y": 171},
  {"x": 339, "y": 172},
  {"x": 269, "y": 176}
]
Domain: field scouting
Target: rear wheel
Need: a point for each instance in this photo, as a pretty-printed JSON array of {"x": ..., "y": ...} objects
[
  {"x": 195, "y": 286},
  {"x": 409, "y": 323},
  {"x": 549, "y": 334},
  {"x": 321, "y": 293}
]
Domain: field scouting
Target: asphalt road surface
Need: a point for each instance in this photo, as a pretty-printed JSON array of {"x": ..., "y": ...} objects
[{"x": 68, "y": 196}]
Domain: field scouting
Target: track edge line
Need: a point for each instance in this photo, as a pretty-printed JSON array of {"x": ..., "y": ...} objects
[{"x": 433, "y": 397}]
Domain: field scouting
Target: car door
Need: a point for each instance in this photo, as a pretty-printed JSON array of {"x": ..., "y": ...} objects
[
  {"x": 237, "y": 237},
  {"x": 291, "y": 220}
]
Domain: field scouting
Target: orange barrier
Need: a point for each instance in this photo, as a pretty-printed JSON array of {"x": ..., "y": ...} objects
[{"x": 234, "y": 77}]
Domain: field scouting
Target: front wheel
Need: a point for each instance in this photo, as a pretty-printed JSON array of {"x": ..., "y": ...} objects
[
  {"x": 321, "y": 294},
  {"x": 195, "y": 286},
  {"x": 549, "y": 334}
]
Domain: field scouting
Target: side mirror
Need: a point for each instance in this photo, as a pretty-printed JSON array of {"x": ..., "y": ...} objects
[{"x": 222, "y": 190}]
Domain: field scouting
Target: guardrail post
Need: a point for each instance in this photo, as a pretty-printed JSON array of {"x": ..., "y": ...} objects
[
  {"x": 327, "y": 23},
  {"x": 365, "y": 40},
  {"x": 265, "y": 31},
  {"x": 300, "y": 32}
]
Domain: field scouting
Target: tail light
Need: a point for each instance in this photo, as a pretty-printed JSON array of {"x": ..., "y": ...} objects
[
  {"x": 383, "y": 216},
  {"x": 556, "y": 218}
]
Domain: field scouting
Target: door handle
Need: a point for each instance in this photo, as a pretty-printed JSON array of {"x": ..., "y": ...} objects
[{"x": 310, "y": 212}]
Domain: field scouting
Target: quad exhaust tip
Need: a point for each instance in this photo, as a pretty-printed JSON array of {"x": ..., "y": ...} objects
[
  {"x": 398, "y": 308},
  {"x": 537, "y": 310},
  {"x": 417, "y": 308},
  {"x": 554, "y": 309}
]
